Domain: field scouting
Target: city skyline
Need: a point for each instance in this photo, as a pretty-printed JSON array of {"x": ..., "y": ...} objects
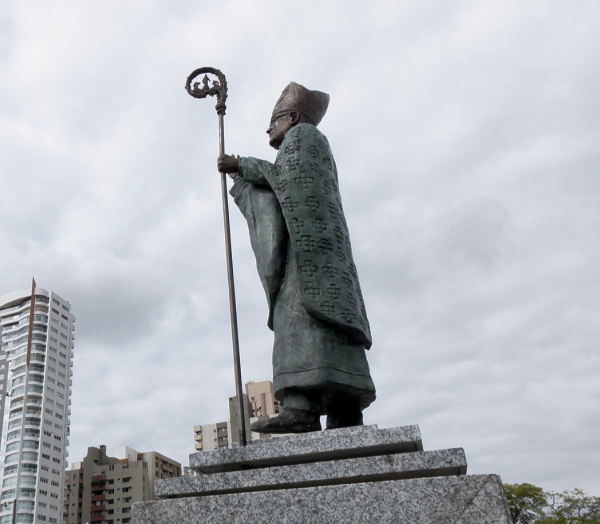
[{"x": 466, "y": 140}]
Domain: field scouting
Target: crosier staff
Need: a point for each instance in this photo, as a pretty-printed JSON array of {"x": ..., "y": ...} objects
[{"x": 219, "y": 89}]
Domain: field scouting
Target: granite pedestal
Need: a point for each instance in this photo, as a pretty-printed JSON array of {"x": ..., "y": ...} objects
[{"x": 362, "y": 475}]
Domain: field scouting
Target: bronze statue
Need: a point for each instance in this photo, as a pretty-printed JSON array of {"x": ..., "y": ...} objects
[{"x": 304, "y": 259}]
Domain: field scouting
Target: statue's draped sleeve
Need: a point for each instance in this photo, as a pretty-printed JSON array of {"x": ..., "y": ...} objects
[
  {"x": 304, "y": 182},
  {"x": 266, "y": 225}
]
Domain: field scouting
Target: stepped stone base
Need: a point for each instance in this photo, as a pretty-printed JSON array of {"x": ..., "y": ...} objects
[{"x": 362, "y": 475}]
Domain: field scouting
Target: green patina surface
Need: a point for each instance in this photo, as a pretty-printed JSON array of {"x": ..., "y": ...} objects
[{"x": 304, "y": 258}]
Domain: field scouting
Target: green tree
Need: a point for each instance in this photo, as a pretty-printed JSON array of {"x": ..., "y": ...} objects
[
  {"x": 572, "y": 507},
  {"x": 526, "y": 502},
  {"x": 530, "y": 504}
]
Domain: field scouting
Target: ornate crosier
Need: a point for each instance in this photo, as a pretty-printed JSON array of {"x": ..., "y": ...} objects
[{"x": 219, "y": 89}]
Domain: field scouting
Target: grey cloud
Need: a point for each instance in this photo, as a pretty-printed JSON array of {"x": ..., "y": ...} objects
[{"x": 467, "y": 145}]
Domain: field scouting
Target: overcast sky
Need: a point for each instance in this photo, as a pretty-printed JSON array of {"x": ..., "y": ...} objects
[{"x": 467, "y": 140}]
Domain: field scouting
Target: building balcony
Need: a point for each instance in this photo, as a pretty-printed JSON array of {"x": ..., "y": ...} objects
[
  {"x": 96, "y": 518},
  {"x": 98, "y": 497}
]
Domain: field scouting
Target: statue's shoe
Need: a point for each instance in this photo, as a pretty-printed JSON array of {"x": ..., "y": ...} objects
[
  {"x": 344, "y": 418},
  {"x": 289, "y": 421}
]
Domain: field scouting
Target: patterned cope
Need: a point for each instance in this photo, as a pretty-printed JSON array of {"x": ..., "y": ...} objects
[{"x": 304, "y": 180}]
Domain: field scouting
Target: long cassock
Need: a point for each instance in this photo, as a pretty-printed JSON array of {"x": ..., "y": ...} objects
[{"x": 304, "y": 258}]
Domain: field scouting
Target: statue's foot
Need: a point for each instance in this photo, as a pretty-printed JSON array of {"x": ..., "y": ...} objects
[
  {"x": 289, "y": 421},
  {"x": 344, "y": 418}
]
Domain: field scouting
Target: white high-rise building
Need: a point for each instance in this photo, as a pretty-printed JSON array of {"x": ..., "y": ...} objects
[{"x": 36, "y": 337}]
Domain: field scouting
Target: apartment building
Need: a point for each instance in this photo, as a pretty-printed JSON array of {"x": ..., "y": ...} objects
[
  {"x": 210, "y": 437},
  {"x": 259, "y": 401},
  {"x": 262, "y": 398},
  {"x": 36, "y": 358},
  {"x": 103, "y": 488}
]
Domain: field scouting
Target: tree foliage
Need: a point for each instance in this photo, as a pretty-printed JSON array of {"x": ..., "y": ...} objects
[
  {"x": 530, "y": 504},
  {"x": 526, "y": 502}
]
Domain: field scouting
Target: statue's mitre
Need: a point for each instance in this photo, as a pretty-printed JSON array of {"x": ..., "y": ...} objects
[{"x": 295, "y": 97}]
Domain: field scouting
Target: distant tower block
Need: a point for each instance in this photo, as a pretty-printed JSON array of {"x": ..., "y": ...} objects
[
  {"x": 36, "y": 359},
  {"x": 101, "y": 488},
  {"x": 259, "y": 401},
  {"x": 262, "y": 398}
]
